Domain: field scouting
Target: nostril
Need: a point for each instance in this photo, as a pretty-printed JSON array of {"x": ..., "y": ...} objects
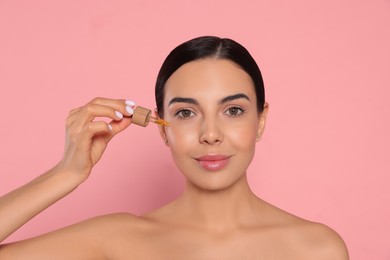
[{"x": 210, "y": 138}]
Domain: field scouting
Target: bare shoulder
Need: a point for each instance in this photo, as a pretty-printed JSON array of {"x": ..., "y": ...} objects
[
  {"x": 320, "y": 241},
  {"x": 113, "y": 220},
  {"x": 310, "y": 240},
  {"x": 117, "y": 226},
  {"x": 314, "y": 240},
  {"x": 90, "y": 239},
  {"x": 124, "y": 235}
]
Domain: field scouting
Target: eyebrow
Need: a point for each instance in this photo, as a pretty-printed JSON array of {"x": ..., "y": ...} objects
[
  {"x": 183, "y": 100},
  {"x": 221, "y": 102},
  {"x": 233, "y": 97}
]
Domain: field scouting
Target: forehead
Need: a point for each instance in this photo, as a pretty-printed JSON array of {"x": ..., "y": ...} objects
[{"x": 207, "y": 77}]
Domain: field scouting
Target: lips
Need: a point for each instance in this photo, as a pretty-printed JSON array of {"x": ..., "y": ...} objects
[{"x": 213, "y": 162}]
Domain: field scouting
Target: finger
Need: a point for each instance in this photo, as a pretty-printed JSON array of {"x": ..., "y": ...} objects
[
  {"x": 90, "y": 112},
  {"x": 120, "y": 106},
  {"x": 124, "y": 106}
]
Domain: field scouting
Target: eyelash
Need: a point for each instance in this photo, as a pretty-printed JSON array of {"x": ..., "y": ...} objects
[
  {"x": 241, "y": 111},
  {"x": 179, "y": 114}
]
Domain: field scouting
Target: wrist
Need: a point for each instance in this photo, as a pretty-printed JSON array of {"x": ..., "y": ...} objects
[{"x": 68, "y": 176}]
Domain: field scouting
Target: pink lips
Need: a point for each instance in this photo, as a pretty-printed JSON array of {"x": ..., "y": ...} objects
[{"x": 213, "y": 162}]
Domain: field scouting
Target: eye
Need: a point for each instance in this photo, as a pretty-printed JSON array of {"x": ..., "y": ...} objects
[
  {"x": 234, "y": 111},
  {"x": 184, "y": 114}
]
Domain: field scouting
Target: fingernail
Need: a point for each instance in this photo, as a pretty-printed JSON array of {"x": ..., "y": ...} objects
[
  {"x": 118, "y": 114},
  {"x": 129, "y": 110},
  {"x": 130, "y": 103},
  {"x": 109, "y": 127}
]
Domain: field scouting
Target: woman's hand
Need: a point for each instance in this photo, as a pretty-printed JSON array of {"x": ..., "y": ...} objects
[{"x": 87, "y": 138}]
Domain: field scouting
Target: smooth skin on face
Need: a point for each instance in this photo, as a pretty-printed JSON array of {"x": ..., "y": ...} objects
[
  {"x": 214, "y": 127},
  {"x": 211, "y": 105}
]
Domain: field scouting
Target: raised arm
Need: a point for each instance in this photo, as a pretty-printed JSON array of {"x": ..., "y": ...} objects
[{"x": 86, "y": 141}]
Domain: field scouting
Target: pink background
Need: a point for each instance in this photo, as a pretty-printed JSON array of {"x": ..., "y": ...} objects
[{"x": 326, "y": 64}]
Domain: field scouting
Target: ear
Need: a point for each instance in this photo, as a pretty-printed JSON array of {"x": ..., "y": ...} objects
[
  {"x": 161, "y": 129},
  {"x": 262, "y": 121}
]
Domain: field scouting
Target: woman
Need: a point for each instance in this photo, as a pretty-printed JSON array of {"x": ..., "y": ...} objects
[{"x": 211, "y": 92}]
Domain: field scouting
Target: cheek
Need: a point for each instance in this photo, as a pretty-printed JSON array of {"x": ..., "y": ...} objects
[
  {"x": 180, "y": 136},
  {"x": 242, "y": 136}
]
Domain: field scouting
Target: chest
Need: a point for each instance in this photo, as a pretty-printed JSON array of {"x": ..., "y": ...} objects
[{"x": 198, "y": 245}]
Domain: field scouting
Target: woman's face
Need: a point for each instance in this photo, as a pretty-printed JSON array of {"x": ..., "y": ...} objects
[{"x": 214, "y": 123}]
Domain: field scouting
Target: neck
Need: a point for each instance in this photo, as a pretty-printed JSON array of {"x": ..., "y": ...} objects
[{"x": 222, "y": 209}]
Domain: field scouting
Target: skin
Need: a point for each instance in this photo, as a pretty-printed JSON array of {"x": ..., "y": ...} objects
[{"x": 211, "y": 107}]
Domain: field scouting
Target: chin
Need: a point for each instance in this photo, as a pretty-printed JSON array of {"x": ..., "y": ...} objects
[{"x": 214, "y": 182}]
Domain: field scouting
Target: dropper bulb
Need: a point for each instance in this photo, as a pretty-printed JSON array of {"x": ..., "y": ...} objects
[{"x": 141, "y": 116}]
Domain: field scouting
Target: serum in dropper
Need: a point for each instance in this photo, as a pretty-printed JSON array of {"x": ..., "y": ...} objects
[{"x": 142, "y": 116}]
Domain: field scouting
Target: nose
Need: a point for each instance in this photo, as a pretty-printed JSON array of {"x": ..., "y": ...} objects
[{"x": 211, "y": 132}]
